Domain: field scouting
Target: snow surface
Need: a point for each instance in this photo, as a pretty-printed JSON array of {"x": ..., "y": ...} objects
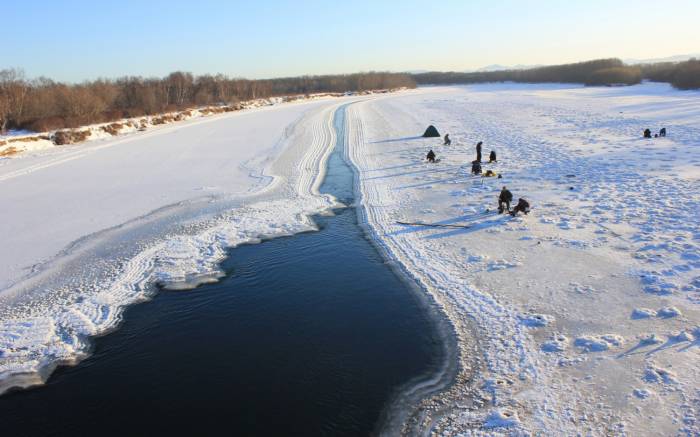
[
  {"x": 581, "y": 317},
  {"x": 68, "y": 210}
]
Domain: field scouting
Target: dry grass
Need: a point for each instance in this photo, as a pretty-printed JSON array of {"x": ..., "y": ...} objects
[
  {"x": 113, "y": 129},
  {"x": 163, "y": 119},
  {"x": 8, "y": 152},
  {"x": 63, "y": 137},
  {"x": 28, "y": 139}
]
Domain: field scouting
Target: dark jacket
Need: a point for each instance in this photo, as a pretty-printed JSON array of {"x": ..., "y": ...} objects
[
  {"x": 505, "y": 196},
  {"x": 476, "y": 167},
  {"x": 430, "y": 155},
  {"x": 522, "y": 205}
]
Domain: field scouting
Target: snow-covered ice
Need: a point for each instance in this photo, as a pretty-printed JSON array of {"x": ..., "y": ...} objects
[
  {"x": 580, "y": 318},
  {"x": 608, "y": 257},
  {"x": 90, "y": 228}
]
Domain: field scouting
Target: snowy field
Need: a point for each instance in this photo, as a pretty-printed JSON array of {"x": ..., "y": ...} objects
[
  {"x": 586, "y": 312},
  {"x": 582, "y": 317},
  {"x": 86, "y": 229}
]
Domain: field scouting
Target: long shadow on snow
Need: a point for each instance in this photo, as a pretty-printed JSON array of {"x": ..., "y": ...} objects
[
  {"x": 413, "y": 172},
  {"x": 475, "y": 225},
  {"x": 396, "y": 140}
]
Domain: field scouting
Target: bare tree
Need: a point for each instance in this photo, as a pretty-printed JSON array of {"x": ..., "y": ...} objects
[{"x": 13, "y": 92}]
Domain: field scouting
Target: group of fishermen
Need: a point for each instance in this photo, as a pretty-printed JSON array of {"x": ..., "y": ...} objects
[
  {"x": 662, "y": 133},
  {"x": 505, "y": 197}
]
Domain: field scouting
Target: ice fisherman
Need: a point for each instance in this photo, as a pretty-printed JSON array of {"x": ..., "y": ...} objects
[
  {"x": 522, "y": 206},
  {"x": 476, "y": 167},
  {"x": 430, "y": 156},
  {"x": 478, "y": 151},
  {"x": 492, "y": 156},
  {"x": 448, "y": 141},
  {"x": 504, "y": 200},
  {"x": 647, "y": 133}
]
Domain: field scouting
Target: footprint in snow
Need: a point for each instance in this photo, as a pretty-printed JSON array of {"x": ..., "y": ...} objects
[
  {"x": 659, "y": 375},
  {"x": 535, "y": 320},
  {"x": 598, "y": 343},
  {"x": 641, "y": 393},
  {"x": 642, "y": 313},
  {"x": 502, "y": 264},
  {"x": 558, "y": 343},
  {"x": 668, "y": 312}
]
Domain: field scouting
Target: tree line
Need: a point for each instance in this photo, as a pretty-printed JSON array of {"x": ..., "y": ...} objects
[
  {"x": 682, "y": 75},
  {"x": 43, "y": 104}
]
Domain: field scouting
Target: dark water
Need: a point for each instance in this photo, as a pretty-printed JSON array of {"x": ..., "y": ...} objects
[{"x": 306, "y": 335}]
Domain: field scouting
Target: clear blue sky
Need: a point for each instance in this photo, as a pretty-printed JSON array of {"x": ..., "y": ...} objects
[{"x": 73, "y": 40}]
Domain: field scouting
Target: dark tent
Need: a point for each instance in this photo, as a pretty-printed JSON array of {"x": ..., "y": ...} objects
[{"x": 431, "y": 132}]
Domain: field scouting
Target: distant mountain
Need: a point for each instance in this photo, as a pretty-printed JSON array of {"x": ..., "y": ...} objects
[
  {"x": 499, "y": 67},
  {"x": 676, "y": 58}
]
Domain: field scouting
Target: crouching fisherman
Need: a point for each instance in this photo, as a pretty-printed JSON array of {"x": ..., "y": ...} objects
[
  {"x": 430, "y": 156},
  {"x": 476, "y": 168},
  {"x": 522, "y": 206},
  {"x": 492, "y": 156},
  {"x": 504, "y": 200}
]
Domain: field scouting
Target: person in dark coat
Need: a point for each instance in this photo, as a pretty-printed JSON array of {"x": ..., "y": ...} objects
[
  {"x": 492, "y": 156},
  {"x": 478, "y": 151},
  {"x": 662, "y": 132},
  {"x": 448, "y": 141},
  {"x": 522, "y": 206},
  {"x": 476, "y": 167},
  {"x": 430, "y": 156},
  {"x": 504, "y": 200},
  {"x": 647, "y": 133}
]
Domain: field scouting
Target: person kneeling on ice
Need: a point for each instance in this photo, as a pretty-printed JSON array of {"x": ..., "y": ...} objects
[
  {"x": 504, "y": 200},
  {"x": 492, "y": 156},
  {"x": 448, "y": 141},
  {"x": 430, "y": 156},
  {"x": 522, "y": 206},
  {"x": 662, "y": 132},
  {"x": 476, "y": 167},
  {"x": 647, "y": 133}
]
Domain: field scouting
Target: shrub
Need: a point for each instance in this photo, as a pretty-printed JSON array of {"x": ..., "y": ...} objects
[
  {"x": 687, "y": 75},
  {"x": 70, "y": 136},
  {"x": 615, "y": 75},
  {"x": 46, "y": 124},
  {"x": 113, "y": 129}
]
